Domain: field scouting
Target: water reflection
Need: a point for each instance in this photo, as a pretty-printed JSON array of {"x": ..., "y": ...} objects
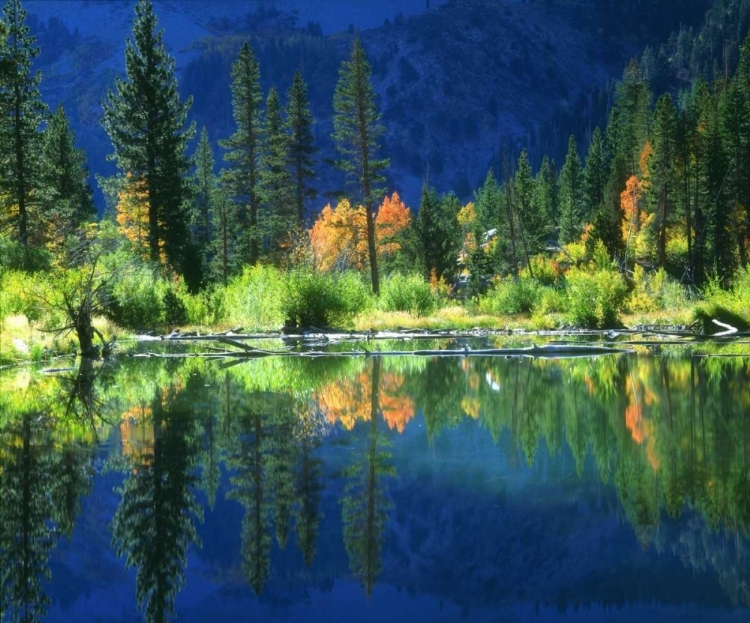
[
  {"x": 156, "y": 519},
  {"x": 479, "y": 481}
]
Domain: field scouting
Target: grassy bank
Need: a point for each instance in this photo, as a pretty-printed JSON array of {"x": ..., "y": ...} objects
[{"x": 265, "y": 298}]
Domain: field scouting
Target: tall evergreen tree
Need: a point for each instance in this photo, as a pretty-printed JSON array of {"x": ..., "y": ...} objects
[
  {"x": 277, "y": 186},
  {"x": 595, "y": 176},
  {"x": 663, "y": 174},
  {"x": 531, "y": 222},
  {"x": 633, "y": 102},
  {"x": 66, "y": 193},
  {"x": 21, "y": 114},
  {"x": 224, "y": 252},
  {"x": 204, "y": 191},
  {"x": 608, "y": 222},
  {"x": 546, "y": 193},
  {"x": 356, "y": 132},
  {"x": 717, "y": 223},
  {"x": 242, "y": 179},
  {"x": 205, "y": 187},
  {"x": 434, "y": 233},
  {"x": 571, "y": 195},
  {"x": 302, "y": 148},
  {"x": 735, "y": 120},
  {"x": 146, "y": 122}
]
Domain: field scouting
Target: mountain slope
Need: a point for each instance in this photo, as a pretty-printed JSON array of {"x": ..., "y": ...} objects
[{"x": 458, "y": 83}]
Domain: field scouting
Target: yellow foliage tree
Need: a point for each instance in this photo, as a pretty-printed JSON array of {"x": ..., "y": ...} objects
[
  {"x": 132, "y": 213},
  {"x": 339, "y": 235}
]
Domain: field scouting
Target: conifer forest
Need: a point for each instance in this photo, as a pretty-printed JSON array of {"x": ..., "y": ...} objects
[{"x": 374, "y": 311}]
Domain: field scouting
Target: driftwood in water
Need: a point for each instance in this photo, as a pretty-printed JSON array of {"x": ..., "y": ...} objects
[{"x": 550, "y": 351}]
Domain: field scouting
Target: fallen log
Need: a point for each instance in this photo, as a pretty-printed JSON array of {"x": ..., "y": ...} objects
[{"x": 548, "y": 351}]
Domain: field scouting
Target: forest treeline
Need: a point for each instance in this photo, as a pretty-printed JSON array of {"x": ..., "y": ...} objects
[{"x": 652, "y": 215}]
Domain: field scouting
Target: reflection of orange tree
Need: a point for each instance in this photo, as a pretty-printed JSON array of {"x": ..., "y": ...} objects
[
  {"x": 347, "y": 401},
  {"x": 137, "y": 434}
]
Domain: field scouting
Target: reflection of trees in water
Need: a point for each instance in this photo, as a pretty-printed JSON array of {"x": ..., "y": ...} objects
[
  {"x": 249, "y": 457},
  {"x": 365, "y": 504},
  {"x": 263, "y": 453},
  {"x": 156, "y": 520},
  {"x": 308, "y": 485},
  {"x": 40, "y": 493}
]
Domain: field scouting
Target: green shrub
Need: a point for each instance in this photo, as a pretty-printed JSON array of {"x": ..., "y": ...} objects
[
  {"x": 206, "y": 307},
  {"x": 15, "y": 256},
  {"x": 656, "y": 292},
  {"x": 545, "y": 270},
  {"x": 137, "y": 300},
  {"x": 407, "y": 293},
  {"x": 595, "y": 297},
  {"x": 511, "y": 296},
  {"x": 551, "y": 301},
  {"x": 322, "y": 300},
  {"x": 21, "y": 293},
  {"x": 175, "y": 311},
  {"x": 253, "y": 299}
]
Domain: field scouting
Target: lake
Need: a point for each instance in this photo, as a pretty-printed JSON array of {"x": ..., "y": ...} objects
[{"x": 612, "y": 488}]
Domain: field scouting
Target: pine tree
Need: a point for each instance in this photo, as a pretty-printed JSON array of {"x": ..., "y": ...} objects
[
  {"x": 607, "y": 225},
  {"x": 735, "y": 122},
  {"x": 302, "y": 148},
  {"x": 571, "y": 195},
  {"x": 66, "y": 194},
  {"x": 242, "y": 180},
  {"x": 595, "y": 176},
  {"x": 205, "y": 186},
  {"x": 663, "y": 178},
  {"x": 488, "y": 203},
  {"x": 531, "y": 221},
  {"x": 146, "y": 122},
  {"x": 715, "y": 222},
  {"x": 277, "y": 186},
  {"x": 225, "y": 256},
  {"x": 546, "y": 194},
  {"x": 356, "y": 132},
  {"x": 21, "y": 114},
  {"x": 434, "y": 232},
  {"x": 633, "y": 102}
]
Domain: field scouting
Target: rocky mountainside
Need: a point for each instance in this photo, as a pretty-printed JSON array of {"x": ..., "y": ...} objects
[{"x": 460, "y": 82}]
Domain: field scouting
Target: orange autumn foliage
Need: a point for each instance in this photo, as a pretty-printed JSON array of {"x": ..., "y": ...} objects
[
  {"x": 393, "y": 217},
  {"x": 641, "y": 429},
  {"x": 396, "y": 406},
  {"x": 339, "y": 235},
  {"x": 350, "y": 401}
]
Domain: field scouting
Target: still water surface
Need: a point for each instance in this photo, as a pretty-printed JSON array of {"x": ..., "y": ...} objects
[{"x": 395, "y": 489}]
